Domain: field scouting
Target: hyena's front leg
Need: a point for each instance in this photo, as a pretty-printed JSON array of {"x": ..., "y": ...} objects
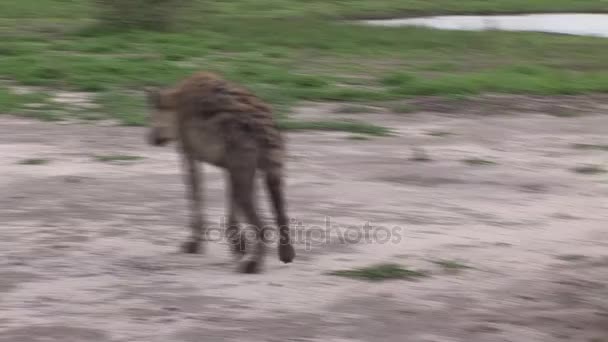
[{"x": 193, "y": 180}]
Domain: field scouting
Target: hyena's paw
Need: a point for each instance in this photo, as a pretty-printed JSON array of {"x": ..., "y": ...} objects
[{"x": 286, "y": 253}]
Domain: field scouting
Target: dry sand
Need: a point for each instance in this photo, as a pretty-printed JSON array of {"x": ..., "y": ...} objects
[{"x": 88, "y": 249}]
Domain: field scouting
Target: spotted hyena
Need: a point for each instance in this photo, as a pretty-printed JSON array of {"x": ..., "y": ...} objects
[{"x": 221, "y": 123}]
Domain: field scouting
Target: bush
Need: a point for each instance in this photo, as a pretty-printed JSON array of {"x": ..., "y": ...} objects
[{"x": 139, "y": 14}]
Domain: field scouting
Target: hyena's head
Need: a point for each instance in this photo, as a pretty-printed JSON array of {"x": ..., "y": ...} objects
[{"x": 163, "y": 117}]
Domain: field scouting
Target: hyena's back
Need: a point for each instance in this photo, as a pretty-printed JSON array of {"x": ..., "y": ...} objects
[{"x": 221, "y": 113}]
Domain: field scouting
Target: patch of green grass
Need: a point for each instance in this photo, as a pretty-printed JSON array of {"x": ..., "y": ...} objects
[
  {"x": 390, "y": 7},
  {"x": 380, "y": 272},
  {"x": 599, "y": 147},
  {"x": 442, "y": 67},
  {"x": 451, "y": 265},
  {"x": 10, "y": 101},
  {"x": 589, "y": 169},
  {"x": 335, "y": 125},
  {"x": 564, "y": 113},
  {"x": 292, "y": 8},
  {"x": 572, "y": 257},
  {"x": 314, "y": 58},
  {"x": 127, "y": 107},
  {"x": 44, "y": 9},
  {"x": 515, "y": 79},
  {"x": 478, "y": 162},
  {"x": 117, "y": 158},
  {"x": 439, "y": 133},
  {"x": 398, "y": 79},
  {"x": 34, "y": 161},
  {"x": 107, "y": 61},
  {"x": 21, "y": 104}
]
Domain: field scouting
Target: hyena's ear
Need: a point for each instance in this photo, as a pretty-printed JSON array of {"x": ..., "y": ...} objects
[{"x": 153, "y": 96}]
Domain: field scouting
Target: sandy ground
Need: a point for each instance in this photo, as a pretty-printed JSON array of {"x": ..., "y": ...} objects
[{"x": 88, "y": 250}]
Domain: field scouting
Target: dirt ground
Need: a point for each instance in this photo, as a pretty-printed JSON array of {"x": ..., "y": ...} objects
[{"x": 88, "y": 249}]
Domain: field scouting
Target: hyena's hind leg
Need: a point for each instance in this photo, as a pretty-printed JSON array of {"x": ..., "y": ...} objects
[
  {"x": 233, "y": 232},
  {"x": 274, "y": 184},
  {"x": 242, "y": 179}
]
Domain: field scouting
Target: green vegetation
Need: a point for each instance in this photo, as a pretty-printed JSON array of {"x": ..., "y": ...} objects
[
  {"x": 451, "y": 265},
  {"x": 565, "y": 113},
  {"x": 138, "y": 14},
  {"x": 599, "y": 147},
  {"x": 34, "y": 105},
  {"x": 34, "y": 161},
  {"x": 380, "y": 272},
  {"x": 478, "y": 162},
  {"x": 59, "y": 44},
  {"x": 572, "y": 257},
  {"x": 127, "y": 107},
  {"x": 589, "y": 169},
  {"x": 357, "y": 137},
  {"x": 117, "y": 158},
  {"x": 345, "y": 126},
  {"x": 65, "y": 9}
]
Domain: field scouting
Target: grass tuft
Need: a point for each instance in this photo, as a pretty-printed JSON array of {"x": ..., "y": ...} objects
[
  {"x": 34, "y": 161},
  {"x": 589, "y": 169},
  {"x": 329, "y": 125},
  {"x": 572, "y": 257},
  {"x": 380, "y": 272},
  {"x": 563, "y": 113},
  {"x": 598, "y": 147},
  {"x": 451, "y": 265},
  {"x": 117, "y": 158},
  {"x": 478, "y": 162}
]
